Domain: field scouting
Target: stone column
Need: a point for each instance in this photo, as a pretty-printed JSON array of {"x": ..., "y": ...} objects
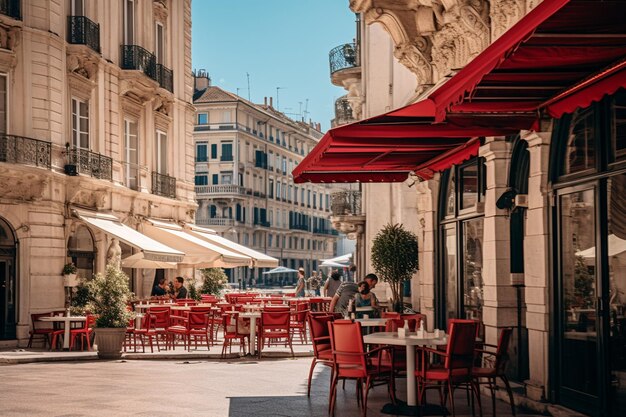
[
  {"x": 536, "y": 263},
  {"x": 427, "y": 197},
  {"x": 499, "y": 309}
]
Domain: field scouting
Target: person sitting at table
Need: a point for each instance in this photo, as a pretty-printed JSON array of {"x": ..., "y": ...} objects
[
  {"x": 365, "y": 298},
  {"x": 332, "y": 284},
  {"x": 179, "y": 290},
  {"x": 160, "y": 289},
  {"x": 347, "y": 291}
]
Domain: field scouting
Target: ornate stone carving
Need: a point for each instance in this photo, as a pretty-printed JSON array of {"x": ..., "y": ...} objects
[
  {"x": 137, "y": 90},
  {"x": 162, "y": 104},
  {"x": 23, "y": 187},
  {"x": 86, "y": 198},
  {"x": 9, "y": 37},
  {"x": 114, "y": 253},
  {"x": 159, "y": 9},
  {"x": 355, "y": 98},
  {"x": 504, "y": 14},
  {"x": 416, "y": 57},
  {"x": 83, "y": 64}
]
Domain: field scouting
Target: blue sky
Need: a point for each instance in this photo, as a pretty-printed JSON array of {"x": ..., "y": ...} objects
[{"x": 280, "y": 43}]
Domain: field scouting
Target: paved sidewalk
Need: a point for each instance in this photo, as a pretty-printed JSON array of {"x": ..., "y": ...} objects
[{"x": 229, "y": 388}]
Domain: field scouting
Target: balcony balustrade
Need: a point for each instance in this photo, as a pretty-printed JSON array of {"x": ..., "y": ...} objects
[
  {"x": 163, "y": 185},
  {"x": 90, "y": 163},
  {"x": 343, "y": 57},
  {"x": 345, "y": 203},
  {"x": 25, "y": 151},
  {"x": 134, "y": 57},
  {"x": 11, "y": 8},
  {"x": 217, "y": 221},
  {"x": 221, "y": 189},
  {"x": 165, "y": 77},
  {"x": 82, "y": 31},
  {"x": 343, "y": 111}
]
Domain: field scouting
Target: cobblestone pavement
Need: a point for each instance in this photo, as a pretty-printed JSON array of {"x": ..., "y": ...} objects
[{"x": 184, "y": 388}]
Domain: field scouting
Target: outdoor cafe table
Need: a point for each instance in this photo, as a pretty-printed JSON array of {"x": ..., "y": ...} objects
[
  {"x": 66, "y": 323},
  {"x": 409, "y": 341},
  {"x": 252, "y": 316}
]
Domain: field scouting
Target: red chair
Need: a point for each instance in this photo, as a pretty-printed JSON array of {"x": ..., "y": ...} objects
[
  {"x": 231, "y": 332},
  {"x": 298, "y": 320},
  {"x": 458, "y": 359},
  {"x": 160, "y": 320},
  {"x": 84, "y": 333},
  {"x": 37, "y": 330},
  {"x": 320, "y": 337},
  {"x": 351, "y": 361},
  {"x": 274, "y": 326},
  {"x": 208, "y": 299},
  {"x": 186, "y": 301},
  {"x": 499, "y": 359},
  {"x": 148, "y": 330},
  {"x": 196, "y": 325}
]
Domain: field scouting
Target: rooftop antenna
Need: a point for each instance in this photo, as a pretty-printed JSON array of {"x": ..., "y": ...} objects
[
  {"x": 300, "y": 110},
  {"x": 248, "y": 76},
  {"x": 238, "y": 91},
  {"x": 277, "y": 89},
  {"x": 306, "y": 109}
]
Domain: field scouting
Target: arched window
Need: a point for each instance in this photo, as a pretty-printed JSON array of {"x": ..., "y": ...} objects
[
  {"x": 460, "y": 283},
  {"x": 80, "y": 249}
]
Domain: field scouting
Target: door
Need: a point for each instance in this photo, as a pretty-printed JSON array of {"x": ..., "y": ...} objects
[
  {"x": 7, "y": 299},
  {"x": 578, "y": 321}
]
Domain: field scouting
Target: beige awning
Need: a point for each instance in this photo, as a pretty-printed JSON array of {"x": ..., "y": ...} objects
[
  {"x": 198, "y": 252},
  {"x": 259, "y": 260},
  {"x": 152, "y": 249}
]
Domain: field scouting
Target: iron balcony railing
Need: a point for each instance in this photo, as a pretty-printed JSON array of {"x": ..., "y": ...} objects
[
  {"x": 82, "y": 31},
  {"x": 91, "y": 163},
  {"x": 163, "y": 185},
  {"x": 11, "y": 8},
  {"x": 345, "y": 203},
  {"x": 343, "y": 57},
  {"x": 165, "y": 77},
  {"x": 25, "y": 151},
  {"x": 343, "y": 111},
  {"x": 134, "y": 57}
]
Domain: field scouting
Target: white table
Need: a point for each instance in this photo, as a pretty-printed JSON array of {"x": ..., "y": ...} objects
[
  {"x": 66, "y": 323},
  {"x": 252, "y": 316},
  {"x": 372, "y": 322},
  {"x": 410, "y": 341}
]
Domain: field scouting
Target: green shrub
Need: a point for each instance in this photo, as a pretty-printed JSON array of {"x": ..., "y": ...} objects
[
  {"x": 109, "y": 298},
  {"x": 214, "y": 281}
]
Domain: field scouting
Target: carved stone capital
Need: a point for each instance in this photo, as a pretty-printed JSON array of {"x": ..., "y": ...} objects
[
  {"x": 163, "y": 104},
  {"x": 415, "y": 56},
  {"x": 82, "y": 62},
  {"x": 159, "y": 9},
  {"x": 138, "y": 88},
  {"x": 504, "y": 14}
]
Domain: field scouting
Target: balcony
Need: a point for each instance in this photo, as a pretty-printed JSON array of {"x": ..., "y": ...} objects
[
  {"x": 216, "y": 222},
  {"x": 163, "y": 185},
  {"x": 226, "y": 158},
  {"x": 343, "y": 112},
  {"x": 11, "y": 8},
  {"x": 134, "y": 57},
  {"x": 91, "y": 163},
  {"x": 165, "y": 77},
  {"x": 344, "y": 57},
  {"x": 25, "y": 151},
  {"x": 221, "y": 189},
  {"x": 82, "y": 31},
  {"x": 344, "y": 203}
]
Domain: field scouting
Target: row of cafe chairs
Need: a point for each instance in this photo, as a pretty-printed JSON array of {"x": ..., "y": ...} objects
[
  {"x": 338, "y": 344},
  {"x": 51, "y": 336}
]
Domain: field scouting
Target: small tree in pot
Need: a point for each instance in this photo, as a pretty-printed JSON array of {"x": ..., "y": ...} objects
[
  {"x": 109, "y": 296},
  {"x": 394, "y": 257}
]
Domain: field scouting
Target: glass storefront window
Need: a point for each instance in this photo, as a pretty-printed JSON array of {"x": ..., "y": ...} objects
[
  {"x": 618, "y": 109},
  {"x": 450, "y": 195},
  {"x": 81, "y": 249},
  {"x": 580, "y": 150},
  {"x": 473, "y": 268},
  {"x": 450, "y": 266},
  {"x": 469, "y": 186}
]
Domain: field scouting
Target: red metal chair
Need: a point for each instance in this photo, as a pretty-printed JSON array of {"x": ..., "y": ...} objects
[
  {"x": 231, "y": 332},
  {"x": 274, "y": 326},
  {"x": 196, "y": 325},
  {"x": 456, "y": 371},
  {"x": 351, "y": 361},
  {"x": 148, "y": 330},
  {"x": 298, "y": 320},
  {"x": 84, "y": 333},
  {"x": 499, "y": 358},
  {"x": 37, "y": 330},
  {"x": 320, "y": 337},
  {"x": 186, "y": 301},
  {"x": 208, "y": 299}
]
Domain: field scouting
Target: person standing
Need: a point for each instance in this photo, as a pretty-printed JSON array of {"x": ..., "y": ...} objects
[
  {"x": 332, "y": 284},
  {"x": 301, "y": 283},
  {"x": 314, "y": 284},
  {"x": 347, "y": 292}
]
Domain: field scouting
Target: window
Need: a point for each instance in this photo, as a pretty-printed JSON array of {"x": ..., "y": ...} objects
[
  {"x": 212, "y": 211},
  {"x": 203, "y": 118},
  {"x": 580, "y": 151},
  {"x": 295, "y": 195},
  {"x": 80, "y": 124},
  {"x": 618, "y": 126},
  {"x": 131, "y": 154},
  {"x": 227, "y": 151},
  {"x": 284, "y": 190},
  {"x": 314, "y": 200},
  {"x": 214, "y": 151},
  {"x": 469, "y": 186},
  {"x": 302, "y": 196},
  {"x": 3, "y": 104},
  {"x": 202, "y": 179},
  {"x": 77, "y": 8},
  {"x": 161, "y": 152},
  {"x": 308, "y": 198},
  {"x": 269, "y": 239},
  {"x": 327, "y": 202},
  {"x": 284, "y": 165},
  {"x": 289, "y": 193},
  {"x": 226, "y": 116},
  {"x": 129, "y": 22},
  {"x": 159, "y": 43},
  {"x": 201, "y": 152},
  {"x": 270, "y": 189},
  {"x": 277, "y": 190},
  {"x": 226, "y": 177},
  {"x": 270, "y": 161}
]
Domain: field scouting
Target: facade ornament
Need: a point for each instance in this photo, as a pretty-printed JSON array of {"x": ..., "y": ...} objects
[
  {"x": 114, "y": 253},
  {"x": 504, "y": 14},
  {"x": 162, "y": 104},
  {"x": 83, "y": 64},
  {"x": 159, "y": 9},
  {"x": 88, "y": 198},
  {"x": 138, "y": 91},
  {"x": 416, "y": 57},
  {"x": 9, "y": 37},
  {"x": 355, "y": 98},
  {"x": 22, "y": 188}
]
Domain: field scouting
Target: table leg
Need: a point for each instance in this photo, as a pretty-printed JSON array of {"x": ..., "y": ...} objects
[
  {"x": 411, "y": 395},
  {"x": 66, "y": 335},
  {"x": 252, "y": 341}
]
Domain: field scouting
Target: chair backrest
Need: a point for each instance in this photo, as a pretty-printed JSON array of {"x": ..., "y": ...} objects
[
  {"x": 461, "y": 344},
  {"x": 197, "y": 319},
  {"x": 275, "y": 320},
  {"x": 320, "y": 336},
  {"x": 414, "y": 321},
  {"x": 159, "y": 316},
  {"x": 389, "y": 315},
  {"x": 477, "y": 322},
  {"x": 502, "y": 351},
  {"x": 186, "y": 301},
  {"x": 346, "y": 340},
  {"x": 276, "y": 309},
  {"x": 90, "y": 321},
  {"x": 34, "y": 318},
  {"x": 208, "y": 298},
  {"x": 231, "y": 323}
]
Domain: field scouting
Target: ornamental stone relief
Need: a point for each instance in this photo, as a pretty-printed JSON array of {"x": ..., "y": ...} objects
[
  {"x": 22, "y": 188},
  {"x": 159, "y": 9},
  {"x": 86, "y": 198},
  {"x": 9, "y": 37},
  {"x": 504, "y": 14},
  {"x": 83, "y": 64}
]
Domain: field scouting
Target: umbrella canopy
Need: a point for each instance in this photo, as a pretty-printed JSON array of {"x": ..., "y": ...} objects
[
  {"x": 334, "y": 264},
  {"x": 137, "y": 261},
  {"x": 616, "y": 246},
  {"x": 279, "y": 270}
]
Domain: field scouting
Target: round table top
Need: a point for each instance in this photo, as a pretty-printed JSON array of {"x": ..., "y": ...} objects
[{"x": 63, "y": 318}]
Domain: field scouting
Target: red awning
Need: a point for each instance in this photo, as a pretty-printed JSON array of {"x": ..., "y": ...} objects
[{"x": 562, "y": 55}]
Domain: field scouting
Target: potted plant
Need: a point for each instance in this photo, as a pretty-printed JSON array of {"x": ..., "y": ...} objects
[
  {"x": 213, "y": 281},
  {"x": 69, "y": 275},
  {"x": 394, "y": 257},
  {"x": 109, "y": 296}
]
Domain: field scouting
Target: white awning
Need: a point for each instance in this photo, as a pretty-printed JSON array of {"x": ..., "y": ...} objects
[
  {"x": 111, "y": 225},
  {"x": 198, "y": 252},
  {"x": 260, "y": 260}
]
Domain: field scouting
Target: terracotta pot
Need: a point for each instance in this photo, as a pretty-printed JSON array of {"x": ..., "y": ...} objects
[
  {"x": 110, "y": 341},
  {"x": 70, "y": 280}
]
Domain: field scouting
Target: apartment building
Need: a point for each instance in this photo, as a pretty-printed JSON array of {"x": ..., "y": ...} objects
[{"x": 245, "y": 153}]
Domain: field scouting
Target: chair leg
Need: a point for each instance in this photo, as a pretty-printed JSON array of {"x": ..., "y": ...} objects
[
  {"x": 367, "y": 390},
  {"x": 509, "y": 391},
  {"x": 30, "y": 341},
  {"x": 308, "y": 391},
  {"x": 476, "y": 390},
  {"x": 333, "y": 394},
  {"x": 451, "y": 395}
]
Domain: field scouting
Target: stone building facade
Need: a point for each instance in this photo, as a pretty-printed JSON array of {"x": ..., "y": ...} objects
[{"x": 96, "y": 115}]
